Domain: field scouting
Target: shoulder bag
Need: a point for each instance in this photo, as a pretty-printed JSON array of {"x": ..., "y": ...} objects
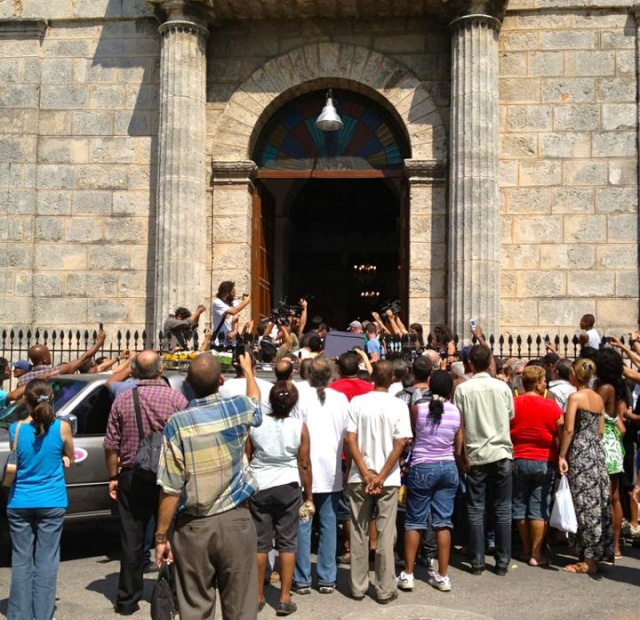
[{"x": 148, "y": 454}]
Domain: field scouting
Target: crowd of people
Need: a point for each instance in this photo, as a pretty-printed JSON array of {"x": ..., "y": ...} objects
[{"x": 389, "y": 456}]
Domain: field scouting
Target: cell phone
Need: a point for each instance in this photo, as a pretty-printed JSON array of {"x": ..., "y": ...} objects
[
  {"x": 473, "y": 324},
  {"x": 238, "y": 350}
]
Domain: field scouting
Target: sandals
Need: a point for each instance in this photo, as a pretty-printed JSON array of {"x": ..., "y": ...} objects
[
  {"x": 581, "y": 568},
  {"x": 540, "y": 563}
]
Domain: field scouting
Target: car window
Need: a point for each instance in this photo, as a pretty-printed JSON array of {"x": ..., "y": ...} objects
[{"x": 93, "y": 412}]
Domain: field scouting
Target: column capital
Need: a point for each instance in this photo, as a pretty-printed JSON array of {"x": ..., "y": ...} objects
[
  {"x": 486, "y": 12},
  {"x": 233, "y": 172},
  {"x": 190, "y": 14},
  {"x": 430, "y": 171}
]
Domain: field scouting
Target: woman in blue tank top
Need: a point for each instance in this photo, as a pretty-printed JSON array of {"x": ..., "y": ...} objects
[{"x": 36, "y": 505}]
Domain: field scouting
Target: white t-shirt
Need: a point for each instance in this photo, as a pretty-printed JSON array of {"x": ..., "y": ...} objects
[
  {"x": 594, "y": 338},
  {"x": 327, "y": 427},
  {"x": 218, "y": 308},
  {"x": 396, "y": 388},
  {"x": 275, "y": 451},
  {"x": 378, "y": 418},
  {"x": 238, "y": 387}
]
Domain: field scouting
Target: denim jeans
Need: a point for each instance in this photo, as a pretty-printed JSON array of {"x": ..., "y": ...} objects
[
  {"x": 494, "y": 477},
  {"x": 35, "y": 549},
  {"x": 431, "y": 492},
  {"x": 327, "y": 566}
]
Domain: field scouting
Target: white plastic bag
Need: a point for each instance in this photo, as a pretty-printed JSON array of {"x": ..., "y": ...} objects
[{"x": 563, "y": 515}]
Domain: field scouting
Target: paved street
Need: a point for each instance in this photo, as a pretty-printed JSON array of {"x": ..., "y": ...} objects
[{"x": 89, "y": 572}]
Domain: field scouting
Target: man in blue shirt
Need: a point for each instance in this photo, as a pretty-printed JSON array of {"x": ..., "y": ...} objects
[{"x": 374, "y": 348}]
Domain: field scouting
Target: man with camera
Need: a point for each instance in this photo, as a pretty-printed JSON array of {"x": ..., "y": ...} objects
[
  {"x": 203, "y": 472},
  {"x": 178, "y": 329},
  {"x": 224, "y": 310}
]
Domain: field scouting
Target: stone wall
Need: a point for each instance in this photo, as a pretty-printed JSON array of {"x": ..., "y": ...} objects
[
  {"x": 569, "y": 162},
  {"x": 78, "y": 125}
]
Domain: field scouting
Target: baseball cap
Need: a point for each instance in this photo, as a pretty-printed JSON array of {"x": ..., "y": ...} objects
[
  {"x": 355, "y": 325},
  {"x": 22, "y": 365}
]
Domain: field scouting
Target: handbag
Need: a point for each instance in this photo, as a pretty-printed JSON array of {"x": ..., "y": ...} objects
[
  {"x": 563, "y": 514},
  {"x": 163, "y": 598},
  {"x": 148, "y": 454},
  {"x": 11, "y": 464}
]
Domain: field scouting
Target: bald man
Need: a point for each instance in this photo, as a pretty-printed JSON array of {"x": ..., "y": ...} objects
[
  {"x": 202, "y": 468},
  {"x": 42, "y": 368},
  {"x": 137, "y": 499}
]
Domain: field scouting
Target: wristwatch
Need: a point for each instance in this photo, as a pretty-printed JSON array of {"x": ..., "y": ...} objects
[{"x": 161, "y": 537}]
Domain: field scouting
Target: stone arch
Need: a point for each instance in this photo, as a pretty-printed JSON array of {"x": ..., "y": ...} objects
[{"x": 319, "y": 66}]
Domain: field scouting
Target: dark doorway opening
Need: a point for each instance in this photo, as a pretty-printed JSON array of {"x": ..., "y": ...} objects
[{"x": 343, "y": 247}]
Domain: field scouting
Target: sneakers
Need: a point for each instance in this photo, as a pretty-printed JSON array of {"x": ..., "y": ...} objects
[
  {"x": 437, "y": 581},
  {"x": 302, "y": 590},
  {"x": 326, "y": 589},
  {"x": 405, "y": 581}
]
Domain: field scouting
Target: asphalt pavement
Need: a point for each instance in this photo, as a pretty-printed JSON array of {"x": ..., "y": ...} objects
[{"x": 88, "y": 578}]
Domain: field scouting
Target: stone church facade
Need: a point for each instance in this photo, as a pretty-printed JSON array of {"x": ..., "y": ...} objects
[{"x": 142, "y": 149}]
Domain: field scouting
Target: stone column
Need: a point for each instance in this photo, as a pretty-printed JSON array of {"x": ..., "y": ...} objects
[
  {"x": 474, "y": 217},
  {"x": 181, "y": 194},
  {"x": 233, "y": 195},
  {"x": 427, "y": 240}
]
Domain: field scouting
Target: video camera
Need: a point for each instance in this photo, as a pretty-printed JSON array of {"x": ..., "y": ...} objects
[
  {"x": 390, "y": 304},
  {"x": 284, "y": 311}
]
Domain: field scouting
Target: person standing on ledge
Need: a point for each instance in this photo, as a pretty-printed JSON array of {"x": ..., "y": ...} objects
[
  {"x": 179, "y": 327},
  {"x": 224, "y": 308}
]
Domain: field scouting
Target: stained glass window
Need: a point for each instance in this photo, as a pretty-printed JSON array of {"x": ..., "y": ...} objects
[{"x": 370, "y": 138}]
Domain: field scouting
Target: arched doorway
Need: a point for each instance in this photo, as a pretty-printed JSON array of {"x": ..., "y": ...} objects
[{"x": 329, "y": 217}]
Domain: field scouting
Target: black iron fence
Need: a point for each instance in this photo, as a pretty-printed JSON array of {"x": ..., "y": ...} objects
[{"x": 68, "y": 344}]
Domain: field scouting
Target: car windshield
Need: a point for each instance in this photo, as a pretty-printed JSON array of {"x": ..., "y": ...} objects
[{"x": 63, "y": 391}]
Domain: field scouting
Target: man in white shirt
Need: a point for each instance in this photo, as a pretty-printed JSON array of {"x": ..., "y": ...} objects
[
  {"x": 589, "y": 337},
  {"x": 378, "y": 429},
  {"x": 486, "y": 405},
  {"x": 224, "y": 308},
  {"x": 326, "y": 413},
  {"x": 238, "y": 386}
]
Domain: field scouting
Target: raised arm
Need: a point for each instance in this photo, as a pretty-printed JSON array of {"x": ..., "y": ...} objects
[{"x": 68, "y": 368}]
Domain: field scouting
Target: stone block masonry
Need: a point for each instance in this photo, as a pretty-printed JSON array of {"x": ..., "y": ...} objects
[
  {"x": 77, "y": 161},
  {"x": 571, "y": 135}
]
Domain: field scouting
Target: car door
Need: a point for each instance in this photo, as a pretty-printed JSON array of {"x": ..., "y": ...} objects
[{"x": 87, "y": 480}]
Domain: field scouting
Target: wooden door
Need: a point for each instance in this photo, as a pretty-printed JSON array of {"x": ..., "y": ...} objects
[{"x": 262, "y": 239}]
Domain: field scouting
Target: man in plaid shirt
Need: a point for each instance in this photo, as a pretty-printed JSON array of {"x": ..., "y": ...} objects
[
  {"x": 137, "y": 499},
  {"x": 203, "y": 469}
]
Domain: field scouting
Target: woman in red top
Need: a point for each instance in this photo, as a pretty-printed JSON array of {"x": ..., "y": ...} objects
[{"x": 534, "y": 430}]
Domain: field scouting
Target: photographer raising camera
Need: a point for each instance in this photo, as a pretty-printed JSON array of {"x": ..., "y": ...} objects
[{"x": 224, "y": 310}]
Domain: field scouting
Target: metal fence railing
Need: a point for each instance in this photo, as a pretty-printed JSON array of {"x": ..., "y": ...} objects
[{"x": 68, "y": 344}]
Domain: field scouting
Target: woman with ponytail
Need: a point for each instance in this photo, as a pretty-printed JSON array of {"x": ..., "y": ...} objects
[
  {"x": 433, "y": 479},
  {"x": 36, "y": 504}
]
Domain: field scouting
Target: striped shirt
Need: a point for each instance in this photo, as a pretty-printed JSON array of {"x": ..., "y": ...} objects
[
  {"x": 434, "y": 443},
  {"x": 203, "y": 455}
]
